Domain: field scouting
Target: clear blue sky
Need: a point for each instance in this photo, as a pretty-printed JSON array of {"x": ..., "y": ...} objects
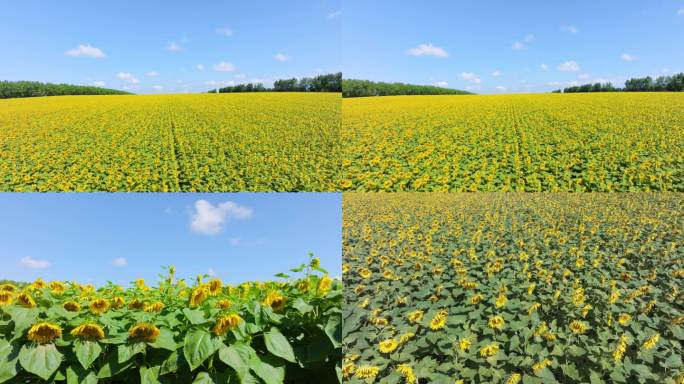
[
  {"x": 518, "y": 46},
  {"x": 124, "y": 43},
  {"x": 119, "y": 237}
]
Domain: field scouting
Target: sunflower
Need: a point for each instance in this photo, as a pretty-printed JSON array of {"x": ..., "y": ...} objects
[
  {"x": 464, "y": 344},
  {"x": 538, "y": 367},
  {"x": 57, "y": 287},
  {"x": 651, "y": 342},
  {"x": 407, "y": 372},
  {"x": 514, "y": 378},
  {"x": 324, "y": 285},
  {"x": 489, "y": 350},
  {"x": 136, "y": 304},
  {"x": 365, "y": 273},
  {"x": 501, "y": 301},
  {"x": 533, "y": 308},
  {"x": 226, "y": 323},
  {"x": 8, "y": 288},
  {"x": 215, "y": 286},
  {"x": 25, "y": 300},
  {"x": 578, "y": 327},
  {"x": 439, "y": 321},
  {"x": 224, "y": 304},
  {"x": 366, "y": 372},
  {"x": 197, "y": 296},
  {"x": 624, "y": 318},
  {"x": 144, "y": 331},
  {"x": 388, "y": 346},
  {"x": 274, "y": 300},
  {"x": 72, "y": 306},
  {"x": 154, "y": 307},
  {"x": 621, "y": 348},
  {"x": 476, "y": 299},
  {"x": 404, "y": 338},
  {"x": 99, "y": 306},
  {"x": 118, "y": 302},
  {"x": 6, "y": 298},
  {"x": 303, "y": 285},
  {"x": 496, "y": 322},
  {"x": 44, "y": 333},
  {"x": 89, "y": 331}
]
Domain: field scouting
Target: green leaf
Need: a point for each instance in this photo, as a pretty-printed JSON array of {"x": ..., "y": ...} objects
[
  {"x": 674, "y": 361},
  {"x": 278, "y": 345},
  {"x": 86, "y": 352},
  {"x": 164, "y": 340},
  {"x": 198, "y": 346},
  {"x": 23, "y": 318},
  {"x": 270, "y": 369},
  {"x": 334, "y": 329},
  {"x": 127, "y": 351},
  {"x": 237, "y": 356},
  {"x": 8, "y": 360},
  {"x": 172, "y": 363},
  {"x": 149, "y": 375},
  {"x": 41, "y": 360},
  {"x": 302, "y": 306},
  {"x": 203, "y": 378},
  {"x": 77, "y": 375},
  {"x": 195, "y": 316},
  {"x": 112, "y": 367}
]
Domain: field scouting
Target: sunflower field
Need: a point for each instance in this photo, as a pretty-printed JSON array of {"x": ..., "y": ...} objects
[
  {"x": 513, "y": 288},
  {"x": 161, "y": 143},
  {"x": 536, "y": 142},
  {"x": 256, "y": 332}
]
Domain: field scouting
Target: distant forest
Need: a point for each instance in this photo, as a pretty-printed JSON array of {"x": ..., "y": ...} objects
[
  {"x": 331, "y": 82},
  {"x": 363, "y": 88},
  {"x": 673, "y": 83},
  {"x": 12, "y": 89}
]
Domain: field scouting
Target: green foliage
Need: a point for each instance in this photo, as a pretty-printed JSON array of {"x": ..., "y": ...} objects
[
  {"x": 14, "y": 89},
  {"x": 322, "y": 83},
  {"x": 363, "y": 88},
  {"x": 673, "y": 83}
]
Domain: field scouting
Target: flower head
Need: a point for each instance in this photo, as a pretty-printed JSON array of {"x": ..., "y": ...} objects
[
  {"x": 99, "y": 306},
  {"x": 274, "y": 300},
  {"x": 226, "y": 323},
  {"x": 5, "y": 298},
  {"x": 155, "y": 307},
  {"x": 578, "y": 327},
  {"x": 651, "y": 342},
  {"x": 88, "y": 331},
  {"x": 215, "y": 286},
  {"x": 144, "y": 331},
  {"x": 324, "y": 285},
  {"x": 25, "y": 300},
  {"x": 72, "y": 306},
  {"x": 44, "y": 333},
  {"x": 621, "y": 348},
  {"x": 366, "y": 371},
  {"x": 407, "y": 372},
  {"x": 496, "y": 322},
  {"x": 489, "y": 350},
  {"x": 388, "y": 346},
  {"x": 464, "y": 344},
  {"x": 415, "y": 316}
]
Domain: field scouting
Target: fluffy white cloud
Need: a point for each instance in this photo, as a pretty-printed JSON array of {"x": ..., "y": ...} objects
[
  {"x": 583, "y": 76},
  {"x": 86, "y": 50},
  {"x": 225, "y": 31},
  {"x": 441, "y": 84},
  {"x": 520, "y": 45},
  {"x": 569, "y": 28},
  {"x": 209, "y": 219},
  {"x": 628, "y": 57},
  {"x": 200, "y": 67},
  {"x": 427, "y": 50},
  {"x": 469, "y": 76},
  {"x": 568, "y": 66},
  {"x": 120, "y": 262},
  {"x": 334, "y": 14},
  {"x": 127, "y": 77},
  {"x": 281, "y": 57},
  {"x": 500, "y": 88},
  {"x": 544, "y": 67},
  {"x": 152, "y": 74},
  {"x": 496, "y": 73},
  {"x": 173, "y": 47},
  {"x": 224, "y": 66},
  {"x": 99, "y": 83},
  {"x": 157, "y": 87},
  {"x": 30, "y": 262}
]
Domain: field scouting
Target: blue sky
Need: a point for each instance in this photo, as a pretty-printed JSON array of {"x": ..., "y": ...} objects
[
  {"x": 119, "y": 237},
  {"x": 511, "y": 46},
  {"x": 168, "y": 46}
]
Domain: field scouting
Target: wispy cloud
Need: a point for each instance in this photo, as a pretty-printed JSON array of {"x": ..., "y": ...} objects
[
  {"x": 127, "y": 77},
  {"x": 334, "y": 14},
  {"x": 441, "y": 84},
  {"x": 157, "y": 87},
  {"x": 225, "y": 31},
  {"x": 500, "y": 88},
  {"x": 209, "y": 219},
  {"x": 471, "y": 77},
  {"x": 210, "y": 272},
  {"x": 519, "y": 45},
  {"x": 30, "y": 262},
  {"x": 152, "y": 74},
  {"x": 628, "y": 57},
  {"x": 427, "y": 50},
  {"x": 86, "y": 50},
  {"x": 496, "y": 73},
  {"x": 200, "y": 67},
  {"x": 173, "y": 47},
  {"x": 224, "y": 66},
  {"x": 569, "y": 28},
  {"x": 120, "y": 262},
  {"x": 99, "y": 83},
  {"x": 281, "y": 57},
  {"x": 544, "y": 67},
  {"x": 568, "y": 66}
]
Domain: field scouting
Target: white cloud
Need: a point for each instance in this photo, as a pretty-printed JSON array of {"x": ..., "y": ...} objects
[
  {"x": 224, "y": 66},
  {"x": 473, "y": 87},
  {"x": 152, "y": 74},
  {"x": 131, "y": 87},
  {"x": 583, "y": 76},
  {"x": 441, "y": 84},
  {"x": 86, "y": 50},
  {"x": 235, "y": 241},
  {"x": 157, "y": 87},
  {"x": 569, "y": 28},
  {"x": 200, "y": 67},
  {"x": 211, "y": 272},
  {"x": 120, "y": 262},
  {"x": 568, "y": 66},
  {"x": 544, "y": 67},
  {"x": 225, "y": 31},
  {"x": 469, "y": 76},
  {"x": 215, "y": 83},
  {"x": 517, "y": 46},
  {"x": 520, "y": 45},
  {"x": 30, "y": 262},
  {"x": 334, "y": 14},
  {"x": 500, "y": 88},
  {"x": 628, "y": 57},
  {"x": 173, "y": 47},
  {"x": 496, "y": 73},
  {"x": 209, "y": 219},
  {"x": 281, "y": 57},
  {"x": 127, "y": 77},
  {"x": 99, "y": 83},
  {"x": 427, "y": 50}
]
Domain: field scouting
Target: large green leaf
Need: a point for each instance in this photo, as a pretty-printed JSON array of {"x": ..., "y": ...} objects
[
  {"x": 165, "y": 340},
  {"x": 23, "y": 318},
  {"x": 278, "y": 345},
  {"x": 270, "y": 369},
  {"x": 77, "y": 375},
  {"x": 87, "y": 351},
  {"x": 127, "y": 351},
  {"x": 149, "y": 375},
  {"x": 237, "y": 356},
  {"x": 173, "y": 363},
  {"x": 195, "y": 316},
  {"x": 198, "y": 346},
  {"x": 112, "y": 367},
  {"x": 333, "y": 329},
  {"x": 41, "y": 360},
  {"x": 203, "y": 378},
  {"x": 8, "y": 360}
]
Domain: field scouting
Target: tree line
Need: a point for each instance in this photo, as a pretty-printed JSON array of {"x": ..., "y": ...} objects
[
  {"x": 363, "y": 88},
  {"x": 12, "y": 89},
  {"x": 673, "y": 83},
  {"x": 331, "y": 82}
]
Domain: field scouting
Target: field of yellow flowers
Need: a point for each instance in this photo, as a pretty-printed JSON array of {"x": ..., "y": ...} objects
[
  {"x": 256, "y": 332},
  {"x": 543, "y": 142},
  {"x": 513, "y": 288},
  {"x": 158, "y": 143}
]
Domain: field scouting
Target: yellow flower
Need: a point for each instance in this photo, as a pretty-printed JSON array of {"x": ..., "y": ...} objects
[
  {"x": 136, "y": 304},
  {"x": 366, "y": 372},
  {"x": 118, "y": 302},
  {"x": 586, "y": 309},
  {"x": 274, "y": 300},
  {"x": 404, "y": 338},
  {"x": 5, "y": 298},
  {"x": 407, "y": 372},
  {"x": 144, "y": 331},
  {"x": 25, "y": 300},
  {"x": 224, "y": 304},
  {"x": 88, "y": 331},
  {"x": 578, "y": 327},
  {"x": 71, "y": 306},
  {"x": 44, "y": 333},
  {"x": 388, "y": 346},
  {"x": 439, "y": 321},
  {"x": 514, "y": 378},
  {"x": 303, "y": 285},
  {"x": 57, "y": 287},
  {"x": 8, "y": 288},
  {"x": 614, "y": 296},
  {"x": 501, "y": 300},
  {"x": 538, "y": 367},
  {"x": 226, "y": 323},
  {"x": 198, "y": 295},
  {"x": 140, "y": 283},
  {"x": 476, "y": 299},
  {"x": 155, "y": 307},
  {"x": 215, "y": 286},
  {"x": 620, "y": 349},
  {"x": 496, "y": 322},
  {"x": 533, "y": 308},
  {"x": 464, "y": 344},
  {"x": 348, "y": 369},
  {"x": 99, "y": 306},
  {"x": 489, "y": 350},
  {"x": 324, "y": 285},
  {"x": 530, "y": 288},
  {"x": 365, "y": 273},
  {"x": 651, "y": 342},
  {"x": 415, "y": 316},
  {"x": 624, "y": 318}
]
